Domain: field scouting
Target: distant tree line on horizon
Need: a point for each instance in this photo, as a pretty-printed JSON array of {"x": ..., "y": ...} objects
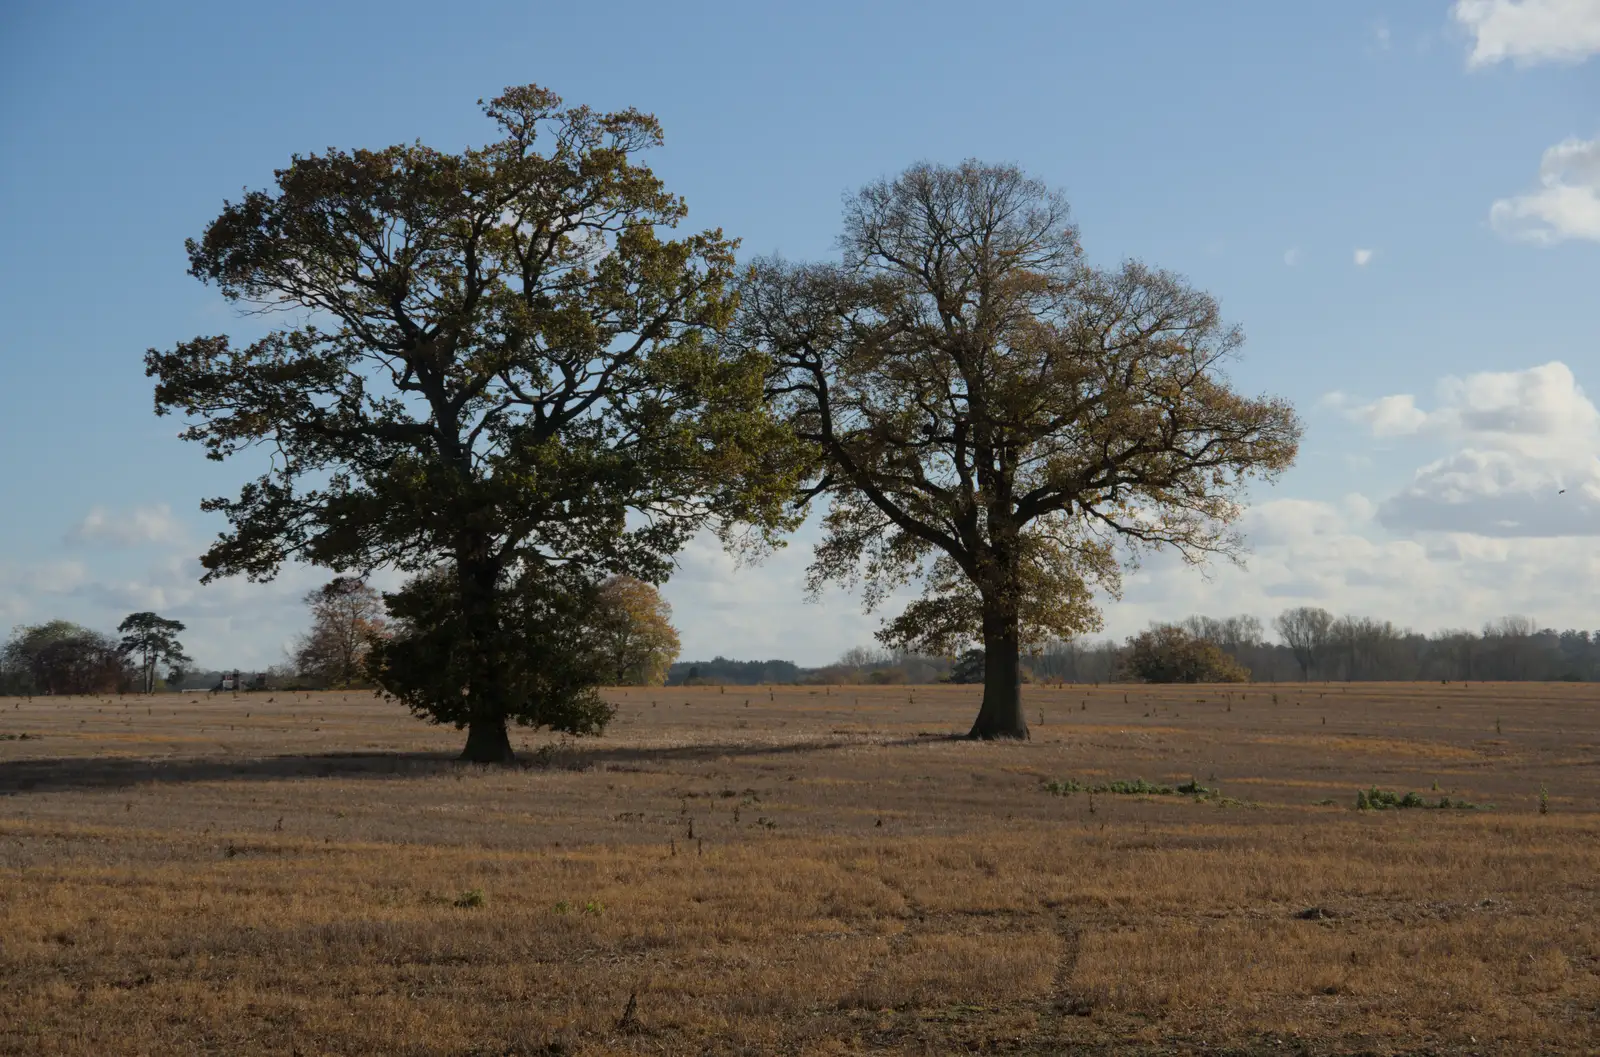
[
  {"x": 60, "y": 657},
  {"x": 1312, "y": 644},
  {"x": 624, "y": 637},
  {"x": 634, "y": 643}
]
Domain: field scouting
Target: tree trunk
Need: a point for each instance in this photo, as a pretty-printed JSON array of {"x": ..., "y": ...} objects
[
  {"x": 488, "y": 742},
  {"x": 1001, "y": 714}
]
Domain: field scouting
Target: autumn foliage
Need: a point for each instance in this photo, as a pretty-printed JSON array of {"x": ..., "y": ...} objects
[{"x": 1167, "y": 653}]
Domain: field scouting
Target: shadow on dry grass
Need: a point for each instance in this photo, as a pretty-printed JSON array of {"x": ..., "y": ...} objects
[{"x": 45, "y": 775}]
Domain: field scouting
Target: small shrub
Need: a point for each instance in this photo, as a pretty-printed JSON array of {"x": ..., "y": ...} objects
[
  {"x": 1376, "y": 799},
  {"x": 471, "y": 898},
  {"x": 1137, "y": 787},
  {"x": 1121, "y": 787},
  {"x": 1065, "y": 787}
]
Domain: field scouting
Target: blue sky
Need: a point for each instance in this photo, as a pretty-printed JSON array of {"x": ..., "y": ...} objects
[{"x": 1400, "y": 202}]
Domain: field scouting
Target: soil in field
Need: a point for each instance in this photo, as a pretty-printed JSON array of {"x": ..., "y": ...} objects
[{"x": 808, "y": 870}]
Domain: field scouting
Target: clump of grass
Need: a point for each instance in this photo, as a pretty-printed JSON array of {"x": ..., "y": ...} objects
[
  {"x": 1136, "y": 787},
  {"x": 471, "y": 898},
  {"x": 1376, "y": 799},
  {"x": 1139, "y": 787},
  {"x": 1544, "y": 800}
]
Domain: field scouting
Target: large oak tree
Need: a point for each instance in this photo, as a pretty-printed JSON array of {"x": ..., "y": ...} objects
[
  {"x": 499, "y": 365},
  {"x": 997, "y": 419}
]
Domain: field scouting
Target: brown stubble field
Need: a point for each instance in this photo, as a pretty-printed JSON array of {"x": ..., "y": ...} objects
[{"x": 805, "y": 870}]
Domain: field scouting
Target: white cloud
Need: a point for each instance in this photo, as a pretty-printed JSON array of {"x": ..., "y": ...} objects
[
  {"x": 1566, "y": 205},
  {"x": 1363, "y": 258},
  {"x": 127, "y": 528},
  {"x": 760, "y": 612},
  {"x": 1337, "y": 556},
  {"x": 1540, "y": 412},
  {"x": 233, "y": 622},
  {"x": 43, "y": 578},
  {"x": 1291, "y": 256},
  {"x": 1498, "y": 493},
  {"x": 1382, "y": 39},
  {"x": 1520, "y": 438},
  {"x": 1391, "y": 416},
  {"x": 1530, "y": 31}
]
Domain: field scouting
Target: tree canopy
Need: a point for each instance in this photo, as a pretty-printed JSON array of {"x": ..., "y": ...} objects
[
  {"x": 1171, "y": 653},
  {"x": 1305, "y": 630},
  {"x": 550, "y": 661},
  {"x": 346, "y": 618},
  {"x": 503, "y": 369},
  {"x": 60, "y": 657},
  {"x": 153, "y": 639},
  {"x": 633, "y": 623},
  {"x": 1000, "y": 421}
]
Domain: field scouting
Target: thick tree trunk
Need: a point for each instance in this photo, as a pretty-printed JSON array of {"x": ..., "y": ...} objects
[
  {"x": 488, "y": 742},
  {"x": 1001, "y": 713}
]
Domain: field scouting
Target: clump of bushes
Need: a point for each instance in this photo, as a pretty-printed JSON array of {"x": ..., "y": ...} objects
[
  {"x": 1376, "y": 799},
  {"x": 1167, "y": 653}
]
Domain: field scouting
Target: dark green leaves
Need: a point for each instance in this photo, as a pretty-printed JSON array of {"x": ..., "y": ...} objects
[{"x": 503, "y": 360}]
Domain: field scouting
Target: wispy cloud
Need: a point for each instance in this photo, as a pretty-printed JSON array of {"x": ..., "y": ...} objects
[
  {"x": 127, "y": 528},
  {"x": 1363, "y": 257},
  {"x": 1292, "y": 256}
]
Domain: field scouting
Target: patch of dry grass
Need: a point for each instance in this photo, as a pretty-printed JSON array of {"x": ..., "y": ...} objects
[{"x": 821, "y": 871}]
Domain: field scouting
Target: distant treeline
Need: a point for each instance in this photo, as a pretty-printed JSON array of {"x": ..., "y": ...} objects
[
  {"x": 720, "y": 670},
  {"x": 1311, "y": 644},
  {"x": 856, "y": 666}
]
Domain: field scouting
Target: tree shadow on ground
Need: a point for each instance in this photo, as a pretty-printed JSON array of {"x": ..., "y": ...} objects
[{"x": 61, "y": 774}]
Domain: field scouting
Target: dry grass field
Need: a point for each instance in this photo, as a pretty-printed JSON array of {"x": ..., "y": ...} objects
[{"x": 806, "y": 870}]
